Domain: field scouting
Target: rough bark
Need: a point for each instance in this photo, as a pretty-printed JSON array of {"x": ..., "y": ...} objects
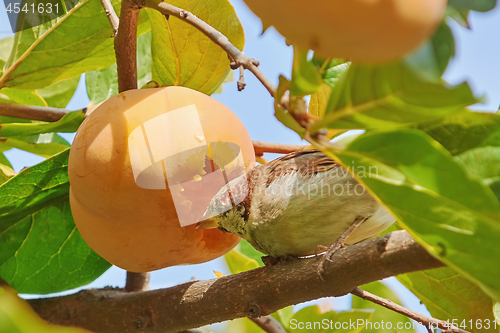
[
  {"x": 250, "y": 294},
  {"x": 126, "y": 46}
]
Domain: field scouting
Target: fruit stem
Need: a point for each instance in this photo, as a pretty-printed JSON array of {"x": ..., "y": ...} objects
[{"x": 137, "y": 282}]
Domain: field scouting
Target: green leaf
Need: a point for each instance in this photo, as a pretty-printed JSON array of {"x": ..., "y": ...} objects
[
  {"x": 496, "y": 312},
  {"x": 149, "y": 85},
  {"x": 459, "y": 9},
  {"x": 431, "y": 59},
  {"x": 184, "y": 56},
  {"x": 484, "y": 163},
  {"x": 248, "y": 250},
  {"x": 44, "y": 144},
  {"x": 449, "y": 296},
  {"x": 144, "y": 62},
  {"x": 477, "y": 5},
  {"x": 305, "y": 76},
  {"x": 18, "y": 96},
  {"x": 59, "y": 94},
  {"x": 6, "y": 173},
  {"x": 41, "y": 251},
  {"x": 381, "y": 313},
  {"x": 459, "y": 15},
  {"x": 17, "y": 316},
  {"x": 44, "y": 138},
  {"x": 312, "y": 320},
  {"x": 394, "y": 227},
  {"x": 452, "y": 214},
  {"x": 69, "y": 123},
  {"x": 8, "y": 120},
  {"x": 240, "y": 325},
  {"x": 3, "y": 160},
  {"x": 144, "y": 23},
  {"x": 238, "y": 262},
  {"x": 41, "y": 149},
  {"x": 371, "y": 97},
  {"x": 319, "y": 100},
  {"x": 103, "y": 83},
  {"x": 229, "y": 78},
  {"x": 464, "y": 131},
  {"x": 5, "y": 48},
  {"x": 61, "y": 49},
  {"x": 330, "y": 69},
  {"x": 283, "y": 316}
]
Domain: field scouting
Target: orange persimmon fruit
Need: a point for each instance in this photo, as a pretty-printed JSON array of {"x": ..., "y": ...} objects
[
  {"x": 122, "y": 185},
  {"x": 368, "y": 31}
]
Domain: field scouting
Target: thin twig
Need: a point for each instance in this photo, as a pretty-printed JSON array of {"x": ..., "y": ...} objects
[
  {"x": 268, "y": 324},
  {"x": 427, "y": 321},
  {"x": 42, "y": 113},
  {"x": 217, "y": 37},
  {"x": 111, "y": 14},
  {"x": 241, "y": 81},
  {"x": 237, "y": 57},
  {"x": 262, "y": 147}
]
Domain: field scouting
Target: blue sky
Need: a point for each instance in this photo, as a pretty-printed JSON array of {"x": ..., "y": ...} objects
[{"x": 476, "y": 61}]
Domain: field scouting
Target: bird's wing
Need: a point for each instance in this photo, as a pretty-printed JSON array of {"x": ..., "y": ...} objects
[{"x": 306, "y": 162}]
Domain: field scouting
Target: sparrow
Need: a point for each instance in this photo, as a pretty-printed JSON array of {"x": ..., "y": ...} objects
[{"x": 296, "y": 205}]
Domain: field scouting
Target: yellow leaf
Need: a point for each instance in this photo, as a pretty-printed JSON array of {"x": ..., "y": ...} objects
[
  {"x": 219, "y": 274},
  {"x": 319, "y": 100},
  {"x": 17, "y": 316},
  {"x": 238, "y": 262},
  {"x": 183, "y": 55}
]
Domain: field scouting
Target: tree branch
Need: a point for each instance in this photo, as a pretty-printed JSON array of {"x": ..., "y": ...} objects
[
  {"x": 126, "y": 46},
  {"x": 238, "y": 57},
  {"x": 32, "y": 112},
  {"x": 254, "y": 293},
  {"x": 262, "y": 147},
  {"x": 111, "y": 14},
  {"x": 428, "y": 322}
]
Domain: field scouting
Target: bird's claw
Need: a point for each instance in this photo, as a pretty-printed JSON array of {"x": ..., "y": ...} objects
[
  {"x": 328, "y": 257},
  {"x": 319, "y": 250},
  {"x": 321, "y": 269}
]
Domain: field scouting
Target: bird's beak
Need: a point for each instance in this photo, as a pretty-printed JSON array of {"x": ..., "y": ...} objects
[{"x": 210, "y": 223}]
